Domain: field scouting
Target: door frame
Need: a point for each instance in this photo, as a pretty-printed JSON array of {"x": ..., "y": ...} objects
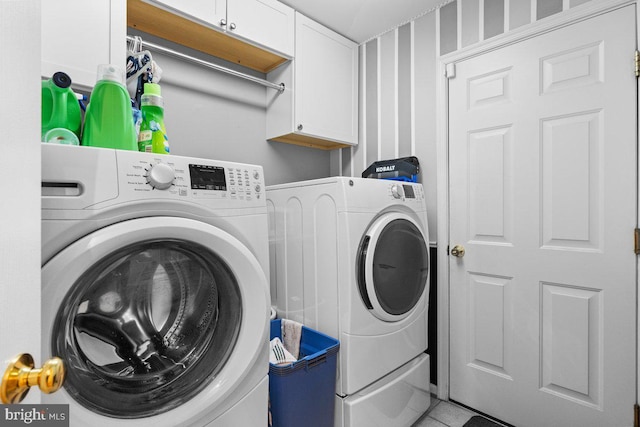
[{"x": 445, "y": 68}]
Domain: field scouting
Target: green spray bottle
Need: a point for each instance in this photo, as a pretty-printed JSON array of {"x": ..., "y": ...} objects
[
  {"x": 60, "y": 107},
  {"x": 153, "y": 135},
  {"x": 108, "y": 121}
]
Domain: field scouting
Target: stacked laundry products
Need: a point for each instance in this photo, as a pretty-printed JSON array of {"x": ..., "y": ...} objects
[
  {"x": 108, "y": 119},
  {"x": 116, "y": 116},
  {"x": 302, "y": 391}
]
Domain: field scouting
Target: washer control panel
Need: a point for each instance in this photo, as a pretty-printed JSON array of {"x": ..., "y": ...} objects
[{"x": 166, "y": 176}]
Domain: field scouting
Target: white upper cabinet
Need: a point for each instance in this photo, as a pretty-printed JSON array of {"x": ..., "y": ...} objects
[
  {"x": 212, "y": 12},
  {"x": 265, "y": 23},
  {"x": 78, "y": 35},
  {"x": 319, "y": 107}
]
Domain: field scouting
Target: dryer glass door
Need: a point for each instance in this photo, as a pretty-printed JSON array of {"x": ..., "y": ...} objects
[
  {"x": 393, "y": 266},
  {"x": 147, "y": 322}
]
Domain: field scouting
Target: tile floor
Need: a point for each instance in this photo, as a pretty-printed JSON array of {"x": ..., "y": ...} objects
[{"x": 444, "y": 414}]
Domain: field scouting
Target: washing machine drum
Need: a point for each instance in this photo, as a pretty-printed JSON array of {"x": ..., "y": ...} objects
[
  {"x": 393, "y": 266},
  {"x": 150, "y": 314}
]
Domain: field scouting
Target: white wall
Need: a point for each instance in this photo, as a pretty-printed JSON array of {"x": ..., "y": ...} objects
[
  {"x": 214, "y": 115},
  {"x": 398, "y": 81}
]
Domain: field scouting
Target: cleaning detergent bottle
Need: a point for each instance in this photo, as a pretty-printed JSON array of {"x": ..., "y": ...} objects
[
  {"x": 153, "y": 135},
  {"x": 108, "y": 121},
  {"x": 60, "y": 107}
]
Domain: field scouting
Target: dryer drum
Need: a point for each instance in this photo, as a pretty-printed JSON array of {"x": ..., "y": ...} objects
[{"x": 147, "y": 327}]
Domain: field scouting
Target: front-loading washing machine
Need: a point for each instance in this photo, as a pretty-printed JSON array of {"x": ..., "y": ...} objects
[
  {"x": 350, "y": 258},
  {"x": 154, "y": 287}
]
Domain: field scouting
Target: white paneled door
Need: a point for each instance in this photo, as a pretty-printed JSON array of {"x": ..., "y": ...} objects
[
  {"x": 543, "y": 200},
  {"x": 20, "y": 118}
]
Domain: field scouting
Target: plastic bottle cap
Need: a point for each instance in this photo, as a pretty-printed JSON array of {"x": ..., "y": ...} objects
[
  {"x": 62, "y": 80},
  {"x": 152, "y": 89},
  {"x": 111, "y": 72},
  {"x": 61, "y": 136}
]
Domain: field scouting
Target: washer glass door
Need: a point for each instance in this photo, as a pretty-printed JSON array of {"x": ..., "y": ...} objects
[
  {"x": 145, "y": 325},
  {"x": 393, "y": 266}
]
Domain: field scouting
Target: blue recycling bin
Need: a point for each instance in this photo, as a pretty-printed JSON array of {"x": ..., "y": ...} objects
[{"x": 303, "y": 393}]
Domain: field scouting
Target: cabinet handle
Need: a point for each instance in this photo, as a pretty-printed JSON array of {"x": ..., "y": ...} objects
[
  {"x": 223, "y": 22},
  {"x": 232, "y": 26},
  {"x": 299, "y": 127}
]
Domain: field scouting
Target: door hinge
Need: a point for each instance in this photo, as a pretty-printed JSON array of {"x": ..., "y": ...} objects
[
  {"x": 636, "y": 415},
  {"x": 450, "y": 70},
  {"x": 636, "y": 241},
  {"x": 637, "y": 62}
]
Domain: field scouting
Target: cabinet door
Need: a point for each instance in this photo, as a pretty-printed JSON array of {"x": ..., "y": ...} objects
[
  {"x": 268, "y": 23},
  {"x": 78, "y": 35},
  {"x": 211, "y": 12},
  {"x": 326, "y": 85}
]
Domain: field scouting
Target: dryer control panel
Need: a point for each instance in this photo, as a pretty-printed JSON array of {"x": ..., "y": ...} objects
[{"x": 405, "y": 191}]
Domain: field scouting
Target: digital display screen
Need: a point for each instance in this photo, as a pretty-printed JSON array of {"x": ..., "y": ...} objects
[
  {"x": 408, "y": 192},
  {"x": 207, "y": 178}
]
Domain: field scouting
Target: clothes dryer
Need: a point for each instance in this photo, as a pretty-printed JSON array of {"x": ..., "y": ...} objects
[
  {"x": 154, "y": 287},
  {"x": 350, "y": 258}
]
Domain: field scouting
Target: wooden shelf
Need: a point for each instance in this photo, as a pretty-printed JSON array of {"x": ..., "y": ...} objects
[
  {"x": 161, "y": 23},
  {"x": 309, "y": 141}
]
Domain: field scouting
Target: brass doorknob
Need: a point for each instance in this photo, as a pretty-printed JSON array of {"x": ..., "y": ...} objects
[
  {"x": 21, "y": 375},
  {"x": 457, "y": 251}
]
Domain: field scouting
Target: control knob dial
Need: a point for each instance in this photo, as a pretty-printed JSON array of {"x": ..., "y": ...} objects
[
  {"x": 160, "y": 176},
  {"x": 397, "y": 192}
]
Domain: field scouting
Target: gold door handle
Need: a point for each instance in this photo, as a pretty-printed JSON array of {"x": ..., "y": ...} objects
[
  {"x": 457, "y": 251},
  {"x": 21, "y": 375}
]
